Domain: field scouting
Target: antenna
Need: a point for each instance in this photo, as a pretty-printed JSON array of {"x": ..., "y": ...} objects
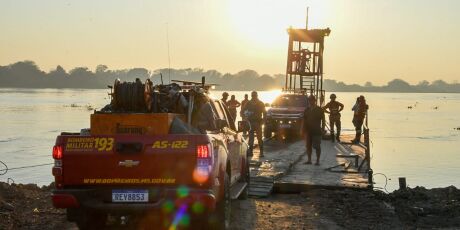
[
  {"x": 169, "y": 56},
  {"x": 306, "y": 21}
]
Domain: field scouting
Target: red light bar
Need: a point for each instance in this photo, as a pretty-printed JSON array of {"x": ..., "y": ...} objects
[{"x": 57, "y": 152}]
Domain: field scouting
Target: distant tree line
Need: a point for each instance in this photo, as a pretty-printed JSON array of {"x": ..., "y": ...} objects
[
  {"x": 26, "y": 74},
  {"x": 395, "y": 85}
]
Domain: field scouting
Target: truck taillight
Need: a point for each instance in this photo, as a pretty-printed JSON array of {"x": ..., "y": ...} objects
[
  {"x": 204, "y": 162},
  {"x": 57, "y": 152},
  {"x": 202, "y": 151},
  {"x": 57, "y": 169}
]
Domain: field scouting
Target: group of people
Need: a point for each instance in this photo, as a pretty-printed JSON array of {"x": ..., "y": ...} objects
[
  {"x": 252, "y": 111},
  {"x": 314, "y": 123}
]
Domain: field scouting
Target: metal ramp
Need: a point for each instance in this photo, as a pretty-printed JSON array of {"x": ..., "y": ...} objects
[{"x": 260, "y": 186}]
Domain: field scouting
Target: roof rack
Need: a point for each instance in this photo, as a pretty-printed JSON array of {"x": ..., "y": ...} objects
[{"x": 188, "y": 85}]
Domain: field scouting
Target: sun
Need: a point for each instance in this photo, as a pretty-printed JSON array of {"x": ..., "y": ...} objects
[{"x": 264, "y": 22}]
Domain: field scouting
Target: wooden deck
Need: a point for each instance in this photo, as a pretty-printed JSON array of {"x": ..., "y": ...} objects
[
  {"x": 284, "y": 165},
  {"x": 283, "y": 169},
  {"x": 337, "y": 169}
]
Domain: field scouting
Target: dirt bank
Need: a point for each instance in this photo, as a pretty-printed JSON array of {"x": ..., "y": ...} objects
[
  {"x": 29, "y": 207},
  {"x": 353, "y": 209}
]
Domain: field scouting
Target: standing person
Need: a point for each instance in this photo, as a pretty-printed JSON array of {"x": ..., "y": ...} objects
[
  {"x": 360, "y": 111},
  {"x": 255, "y": 113},
  {"x": 335, "y": 108},
  {"x": 243, "y": 117},
  {"x": 243, "y": 103},
  {"x": 232, "y": 105},
  {"x": 355, "y": 106},
  {"x": 314, "y": 124},
  {"x": 224, "y": 97}
]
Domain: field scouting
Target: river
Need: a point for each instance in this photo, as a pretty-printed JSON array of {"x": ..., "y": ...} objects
[{"x": 420, "y": 144}]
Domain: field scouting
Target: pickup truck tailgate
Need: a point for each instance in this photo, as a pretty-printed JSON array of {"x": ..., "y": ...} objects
[{"x": 129, "y": 160}]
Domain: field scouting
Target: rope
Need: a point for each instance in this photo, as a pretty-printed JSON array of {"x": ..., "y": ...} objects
[
  {"x": 386, "y": 182},
  {"x": 6, "y": 169}
]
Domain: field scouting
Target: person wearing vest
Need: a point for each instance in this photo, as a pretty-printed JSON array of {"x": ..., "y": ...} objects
[
  {"x": 255, "y": 113},
  {"x": 333, "y": 108}
]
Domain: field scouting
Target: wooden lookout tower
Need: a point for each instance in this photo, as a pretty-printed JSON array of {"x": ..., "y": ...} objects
[{"x": 304, "y": 72}]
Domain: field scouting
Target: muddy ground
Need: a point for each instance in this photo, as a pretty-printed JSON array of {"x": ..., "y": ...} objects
[{"x": 29, "y": 207}]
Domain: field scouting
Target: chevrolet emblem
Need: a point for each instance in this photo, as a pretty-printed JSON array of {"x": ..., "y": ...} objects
[{"x": 128, "y": 163}]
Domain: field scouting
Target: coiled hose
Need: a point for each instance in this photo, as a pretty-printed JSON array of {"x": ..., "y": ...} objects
[{"x": 129, "y": 96}]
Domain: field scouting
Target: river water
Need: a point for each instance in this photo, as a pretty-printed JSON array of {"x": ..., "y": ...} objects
[{"x": 420, "y": 144}]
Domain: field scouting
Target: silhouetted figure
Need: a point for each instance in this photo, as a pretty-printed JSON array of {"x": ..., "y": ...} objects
[
  {"x": 232, "y": 105},
  {"x": 360, "y": 111},
  {"x": 243, "y": 104},
  {"x": 255, "y": 112},
  {"x": 224, "y": 97},
  {"x": 334, "y": 108},
  {"x": 314, "y": 125}
]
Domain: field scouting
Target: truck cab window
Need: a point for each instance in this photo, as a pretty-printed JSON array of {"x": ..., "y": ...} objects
[
  {"x": 220, "y": 111},
  {"x": 229, "y": 118}
]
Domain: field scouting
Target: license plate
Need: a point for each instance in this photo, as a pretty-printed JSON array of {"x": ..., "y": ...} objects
[
  {"x": 131, "y": 195},
  {"x": 284, "y": 126}
]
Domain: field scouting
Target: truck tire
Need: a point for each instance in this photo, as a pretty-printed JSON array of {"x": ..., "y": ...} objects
[
  {"x": 91, "y": 220},
  {"x": 221, "y": 218},
  {"x": 245, "y": 178}
]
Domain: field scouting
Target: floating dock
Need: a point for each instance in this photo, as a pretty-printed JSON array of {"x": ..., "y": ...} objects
[{"x": 342, "y": 165}]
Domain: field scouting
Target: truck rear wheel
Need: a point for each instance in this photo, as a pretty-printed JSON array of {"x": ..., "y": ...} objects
[
  {"x": 245, "y": 178},
  {"x": 221, "y": 218}
]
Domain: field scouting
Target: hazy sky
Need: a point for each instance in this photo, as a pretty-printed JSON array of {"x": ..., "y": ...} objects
[{"x": 371, "y": 40}]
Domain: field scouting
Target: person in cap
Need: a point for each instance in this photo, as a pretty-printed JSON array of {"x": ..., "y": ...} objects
[
  {"x": 255, "y": 113},
  {"x": 360, "y": 112},
  {"x": 314, "y": 125},
  {"x": 224, "y": 97},
  {"x": 333, "y": 108}
]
